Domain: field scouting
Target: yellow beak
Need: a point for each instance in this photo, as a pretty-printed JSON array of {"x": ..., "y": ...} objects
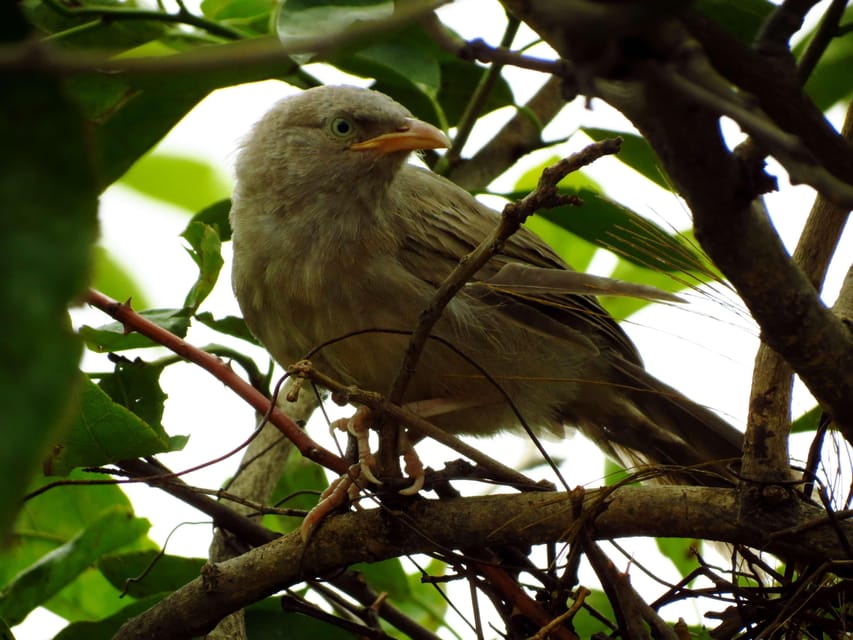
[{"x": 413, "y": 135}]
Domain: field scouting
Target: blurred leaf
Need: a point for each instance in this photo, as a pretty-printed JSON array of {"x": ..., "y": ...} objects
[
  {"x": 830, "y": 82},
  {"x": 157, "y": 573},
  {"x": 578, "y": 253},
  {"x": 300, "y": 19},
  {"x": 148, "y": 106},
  {"x": 114, "y": 336},
  {"x": 459, "y": 79},
  {"x": 620, "y": 307},
  {"x": 741, "y": 18},
  {"x": 112, "y": 279},
  {"x": 223, "y": 10},
  {"x": 183, "y": 181},
  {"x": 47, "y": 229},
  {"x": 387, "y": 576},
  {"x": 206, "y": 251},
  {"x": 104, "y": 432},
  {"x": 407, "y": 57},
  {"x": 265, "y": 620},
  {"x": 229, "y": 325},
  {"x": 808, "y": 421},
  {"x": 216, "y": 216},
  {"x": 427, "y": 605},
  {"x": 105, "y": 629},
  {"x": 585, "y": 624},
  {"x": 299, "y": 487},
  {"x": 681, "y": 552},
  {"x": 54, "y": 517},
  {"x": 88, "y": 597},
  {"x": 110, "y": 35},
  {"x": 33, "y": 586},
  {"x": 636, "y": 153}
]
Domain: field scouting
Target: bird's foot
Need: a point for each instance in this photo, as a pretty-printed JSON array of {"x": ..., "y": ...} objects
[
  {"x": 358, "y": 425},
  {"x": 344, "y": 488}
]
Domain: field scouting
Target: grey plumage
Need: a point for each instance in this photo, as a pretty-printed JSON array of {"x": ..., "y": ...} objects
[{"x": 330, "y": 238}]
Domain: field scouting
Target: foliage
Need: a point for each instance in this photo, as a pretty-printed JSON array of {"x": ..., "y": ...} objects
[{"x": 91, "y": 87}]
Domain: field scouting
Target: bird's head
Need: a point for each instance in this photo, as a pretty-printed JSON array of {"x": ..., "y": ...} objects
[{"x": 332, "y": 139}]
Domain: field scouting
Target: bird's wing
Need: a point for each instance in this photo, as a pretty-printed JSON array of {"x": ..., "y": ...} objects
[{"x": 530, "y": 283}]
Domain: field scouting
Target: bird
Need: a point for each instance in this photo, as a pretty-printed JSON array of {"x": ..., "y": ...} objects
[{"x": 339, "y": 243}]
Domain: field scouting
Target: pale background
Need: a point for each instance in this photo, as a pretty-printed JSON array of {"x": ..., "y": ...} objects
[{"x": 704, "y": 348}]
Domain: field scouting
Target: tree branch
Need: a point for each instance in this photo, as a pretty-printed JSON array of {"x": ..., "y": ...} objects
[
  {"x": 692, "y": 512},
  {"x": 213, "y": 365}
]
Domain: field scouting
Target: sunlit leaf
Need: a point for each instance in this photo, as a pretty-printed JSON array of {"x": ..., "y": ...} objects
[
  {"x": 635, "y": 152},
  {"x": 167, "y": 177},
  {"x": 38, "y": 582},
  {"x": 113, "y": 279}
]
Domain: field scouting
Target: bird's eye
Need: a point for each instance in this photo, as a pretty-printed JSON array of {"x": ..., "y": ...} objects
[{"x": 341, "y": 127}]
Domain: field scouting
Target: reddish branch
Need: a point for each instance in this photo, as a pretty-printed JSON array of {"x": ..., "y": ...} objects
[{"x": 219, "y": 369}]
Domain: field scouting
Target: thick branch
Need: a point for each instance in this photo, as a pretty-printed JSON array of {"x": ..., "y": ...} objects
[
  {"x": 370, "y": 536},
  {"x": 740, "y": 239}
]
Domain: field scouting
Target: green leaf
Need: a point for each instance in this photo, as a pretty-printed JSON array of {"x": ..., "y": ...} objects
[
  {"x": 741, "y": 18},
  {"x": 830, "y": 81},
  {"x": 574, "y": 250},
  {"x": 216, "y": 216},
  {"x": 48, "y": 227},
  {"x": 156, "y": 573},
  {"x": 407, "y": 57},
  {"x": 103, "y": 432},
  {"x": 620, "y": 307},
  {"x": 206, "y": 251},
  {"x": 167, "y": 177},
  {"x": 106, "y": 628},
  {"x": 426, "y": 605},
  {"x": 627, "y": 234},
  {"x": 33, "y": 586},
  {"x": 299, "y": 487},
  {"x": 223, "y": 10},
  {"x": 265, "y": 620},
  {"x": 146, "y": 107},
  {"x": 53, "y": 517},
  {"x": 229, "y": 325},
  {"x": 110, "y": 35},
  {"x": 636, "y": 153},
  {"x": 299, "y": 19},
  {"x": 387, "y": 576},
  {"x": 114, "y": 336},
  {"x": 585, "y": 624},
  {"x": 681, "y": 552},
  {"x": 459, "y": 79},
  {"x": 808, "y": 421},
  {"x": 112, "y": 279},
  {"x": 135, "y": 385}
]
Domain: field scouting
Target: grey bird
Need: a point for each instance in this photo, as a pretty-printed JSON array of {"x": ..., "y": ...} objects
[{"x": 334, "y": 232}]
